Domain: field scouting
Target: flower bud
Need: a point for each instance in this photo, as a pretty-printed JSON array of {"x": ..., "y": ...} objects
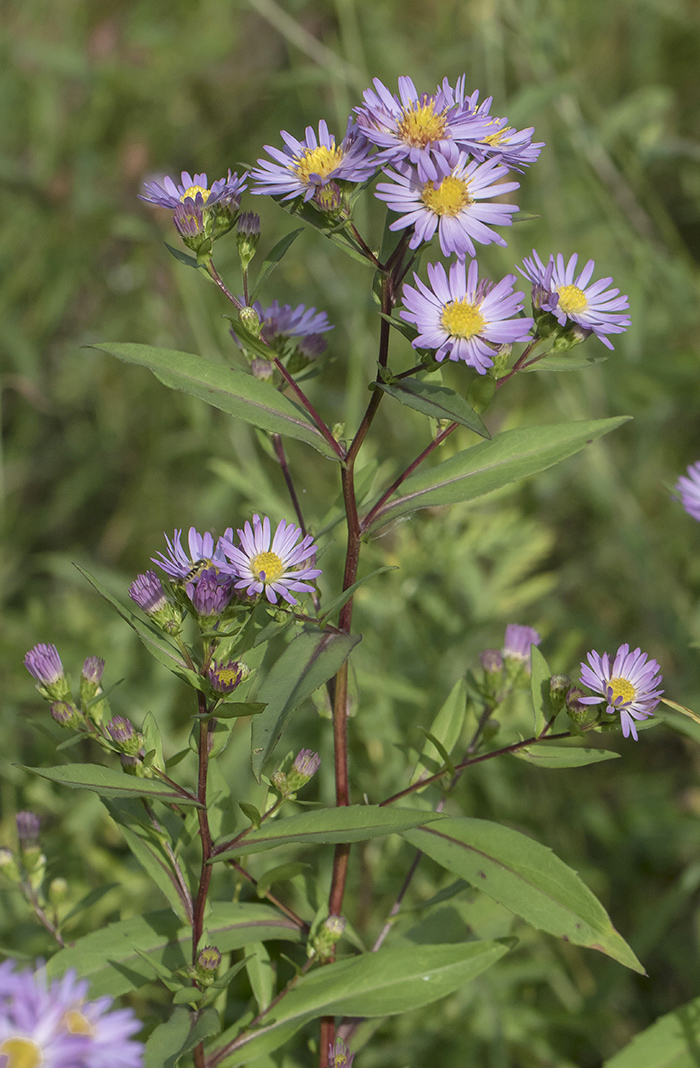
[
  {"x": 226, "y": 677},
  {"x": 262, "y": 369},
  {"x": 122, "y": 732},
  {"x": 57, "y": 891},
  {"x": 251, "y": 320},
  {"x": 577, "y": 712},
  {"x": 558, "y": 688},
  {"x": 306, "y": 764},
  {"x": 44, "y": 663},
  {"x": 147, "y": 592},
  {"x": 67, "y": 715},
  {"x": 8, "y": 865},
  {"x": 28, "y": 825},
  {"x": 247, "y": 237},
  {"x": 323, "y": 943}
]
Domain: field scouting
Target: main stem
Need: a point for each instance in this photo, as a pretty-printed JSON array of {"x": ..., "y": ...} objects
[{"x": 205, "y": 836}]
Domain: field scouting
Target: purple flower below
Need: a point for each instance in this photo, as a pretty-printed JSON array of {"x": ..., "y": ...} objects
[
  {"x": 273, "y": 565},
  {"x": 568, "y": 296},
  {"x": 451, "y": 205},
  {"x": 629, "y": 687},
  {"x": 688, "y": 486},
  {"x": 463, "y": 318}
]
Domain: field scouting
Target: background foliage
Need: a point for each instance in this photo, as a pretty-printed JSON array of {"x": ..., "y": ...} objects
[{"x": 98, "y": 458}]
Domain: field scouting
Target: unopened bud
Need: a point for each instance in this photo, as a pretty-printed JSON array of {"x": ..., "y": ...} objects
[
  {"x": 247, "y": 237},
  {"x": 306, "y": 764},
  {"x": 28, "y": 825},
  {"x": 558, "y": 689},
  {"x": 57, "y": 891},
  {"x": 251, "y": 320},
  {"x": 66, "y": 715},
  {"x": 8, "y": 865},
  {"x": 576, "y": 711},
  {"x": 209, "y": 959},
  {"x": 491, "y": 661},
  {"x": 262, "y": 369},
  {"x": 323, "y": 942}
]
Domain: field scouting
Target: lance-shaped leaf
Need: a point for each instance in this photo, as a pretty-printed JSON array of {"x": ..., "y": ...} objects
[
  {"x": 563, "y": 756},
  {"x": 116, "y": 958},
  {"x": 232, "y": 391},
  {"x": 513, "y": 455},
  {"x": 307, "y": 662},
  {"x": 446, "y": 728},
  {"x": 181, "y": 1033},
  {"x": 527, "y": 878},
  {"x": 436, "y": 401},
  {"x": 355, "y": 823},
  {"x": 108, "y": 782},
  {"x": 274, "y": 256},
  {"x": 541, "y": 689},
  {"x": 672, "y": 1041},
  {"x": 386, "y": 983}
]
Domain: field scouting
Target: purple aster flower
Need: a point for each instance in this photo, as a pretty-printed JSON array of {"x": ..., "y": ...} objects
[
  {"x": 514, "y": 148},
  {"x": 179, "y": 565},
  {"x": 93, "y": 667},
  {"x": 689, "y": 488},
  {"x": 306, "y": 167},
  {"x": 33, "y": 1031},
  {"x": 226, "y": 191},
  {"x": 109, "y": 1031},
  {"x": 427, "y": 131},
  {"x": 44, "y": 663},
  {"x": 569, "y": 298},
  {"x": 451, "y": 205},
  {"x": 518, "y": 640},
  {"x": 271, "y": 565},
  {"x": 630, "y": 687},
  {"x": 189, "y": 218},
  {"x": 209, "y": 592},
  {"x": 147, "y": 592},
  {"x": 463, "y": 318},
  {"x": 226, "y": 677},
  {"x": 306, "y": 764}
]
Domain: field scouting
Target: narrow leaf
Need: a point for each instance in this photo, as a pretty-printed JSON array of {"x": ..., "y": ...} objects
[
  {"x": 307, "y": 662},
  {"x": 338, "y": 602},
  {"x": 116, "y": 958},
  {"x": 671, "y": 1042},
  {"x": 527, "y": 878},
  {"x": 108, "y": 782},
  {"x": 513, "y": 455},
  {"x": 232, "y": 391},
  {"x": 356, "y": 823},
  {"x": 563, "y": 756},
  {"x": 386, "y": 983},
  {"x": 446, "y": 727},
  {"x": 438, "y": 402}
]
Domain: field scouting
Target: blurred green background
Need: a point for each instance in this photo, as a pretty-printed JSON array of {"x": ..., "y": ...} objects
[{"x": 98, "y": 458}]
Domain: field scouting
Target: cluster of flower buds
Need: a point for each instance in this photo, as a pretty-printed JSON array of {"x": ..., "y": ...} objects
[
  {"x": 201, "y": 215},
  {"x": 44, "y": 664}
]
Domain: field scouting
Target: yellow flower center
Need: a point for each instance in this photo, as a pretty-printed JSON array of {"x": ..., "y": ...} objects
[
  {"x": 572, "y": 299},
  {"x": 462, "y": 319},
  {"x": 420, "y": 125},
  {"x": 267, "y": 566},
  {"x": 498, "y": 137},
  {"x": 319, "y": 160},
  {"x": 77, "y": 1024},
  {"x": 192, "y": 191},
  {"x": 228, "y": 676},
  {"x": 22, "y": 1053},
  {"x": 621, "y": 688},
  {"x": 450, "y": 197}
]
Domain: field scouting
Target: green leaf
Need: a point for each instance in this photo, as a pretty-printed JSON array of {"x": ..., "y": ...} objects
[
  {"x": 386, "y": 983},
  {"x": 273, "y": 257},
  {"x": 251, "y": 813},
  {"x": 279, "y": 874},
  {"x": 355, "y": 823},
  {"x": 182, "y": 257},
  {"x": 149, "y": 849},
  {"x": 260, "y": 975},
  {"x": 108, "y": 782},
  {"x": 527, "y": 878},
  {"x": 672, "y": 1042},
  {"x": 116, "y": 958},
  {"x": 234, "y": 710},
  {"x": 563, "y": 756},
  {"x": 540, "y": 686},
  {"x": 307, "y": 662},
  {"x": 513, "y": 455},
  {"x": 565, "y": 362},
  {"x": 438, "y": 402},
  {"x": 155, "y": 641},
  {"x": 178, "y": 1035},
  {"x": 232, "y": 391},
  {"x": 446, "y": 727}
]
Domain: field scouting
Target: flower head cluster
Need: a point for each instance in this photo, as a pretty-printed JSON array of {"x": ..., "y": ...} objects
[
  {"x": 273, "y": 565},
  {"x": 463, "y": 318},
  {"x": 452, "y": 204},
  {"x": 305, "y": 168},
  {"x": 630, "y": 686},
  {"x": 201, "y": 215},
  {"x": 52, "y": 1025},
  {"x": 579, "y": 307},
  {"x": 514, "y": 148},
  {"x": 295, "y": 334},
  {"x": 688, "y": 486}
]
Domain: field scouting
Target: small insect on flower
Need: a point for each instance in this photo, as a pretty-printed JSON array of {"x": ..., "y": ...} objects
[{"x": 630, "y": 686}]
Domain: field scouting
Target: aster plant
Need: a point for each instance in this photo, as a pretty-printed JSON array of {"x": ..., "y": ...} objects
[{"x": 255, "y": 620}]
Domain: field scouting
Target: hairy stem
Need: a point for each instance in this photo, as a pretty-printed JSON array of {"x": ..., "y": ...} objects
[{"x": 205, "y": 836}]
